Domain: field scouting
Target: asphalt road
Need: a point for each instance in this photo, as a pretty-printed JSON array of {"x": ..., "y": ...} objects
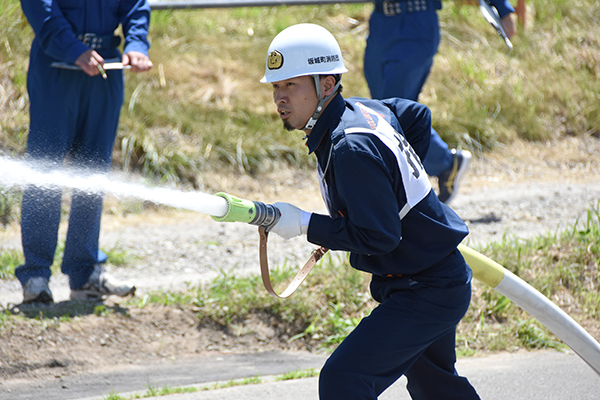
[{"x": 543, "y": 375}]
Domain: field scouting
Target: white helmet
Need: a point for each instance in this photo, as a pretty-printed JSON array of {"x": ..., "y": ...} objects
[{"x": 303, "y": 49}]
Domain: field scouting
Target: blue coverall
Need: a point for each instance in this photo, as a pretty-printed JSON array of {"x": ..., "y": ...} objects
[
  {"x": 75, "y": 117},
  {"x": 384, "y": 212},
  {"x": 399, "y": 55}
]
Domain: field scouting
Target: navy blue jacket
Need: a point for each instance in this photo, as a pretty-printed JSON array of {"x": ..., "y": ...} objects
[
  {"x": 57, "y": 23},
  {"x": 382, "y": 208}
]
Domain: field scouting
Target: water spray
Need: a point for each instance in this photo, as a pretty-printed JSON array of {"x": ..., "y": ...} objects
[{"x": 221, "y": 207}]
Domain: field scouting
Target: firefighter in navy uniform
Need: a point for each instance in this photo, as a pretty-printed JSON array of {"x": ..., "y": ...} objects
[
  {"x": 404, "y": 36},
  {"x": 383, "y": 211},
  {"x": 74, "y": 115}
]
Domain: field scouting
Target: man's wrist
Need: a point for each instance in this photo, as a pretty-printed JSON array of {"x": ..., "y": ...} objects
[{"x": 304, "y": 221}]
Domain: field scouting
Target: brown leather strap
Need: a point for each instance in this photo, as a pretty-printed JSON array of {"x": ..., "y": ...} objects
[{"x": 300, "y": 276}]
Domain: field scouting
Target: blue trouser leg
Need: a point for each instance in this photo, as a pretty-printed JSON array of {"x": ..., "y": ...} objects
[
  {"x": 439, "y": 158},
  {"x": 40, "y": 217},
  {"x": 81, "y": 246},
  {"x": 93, "y": 148},
  {"x": 430, "y": 367},
  {"x": 409, "y": 333},
  {"x": 398, "y": 57},
  {"x": 51, "y": 122},
  {"x": 81, "y": 126}
]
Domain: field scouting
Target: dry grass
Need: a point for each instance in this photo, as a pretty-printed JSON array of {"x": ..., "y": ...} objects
[{"x": 202, "y": 107}]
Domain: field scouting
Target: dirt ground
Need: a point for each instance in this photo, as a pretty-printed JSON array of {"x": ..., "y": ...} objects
[
  {"x": 89, "y": 343},
  {"x": 34, "y": 351}
]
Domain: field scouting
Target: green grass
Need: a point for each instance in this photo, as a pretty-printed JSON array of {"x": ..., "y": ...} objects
[
  {"x": 299, "y": 374},
  {"x": 169, "y": 390},
  {"x": 323, "y": 309},
  {"x": 10, "y": 200},
  {"x": 164, "y": 391},
  {"x": 113, "y": 396},
  {"x": 563, "y": 266},
  {"x": 9, "y": 260},
  {"x": 12, "y": 258}
]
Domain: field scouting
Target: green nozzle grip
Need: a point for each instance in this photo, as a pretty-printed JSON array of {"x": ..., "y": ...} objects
[{"x": 238, "y": 210}]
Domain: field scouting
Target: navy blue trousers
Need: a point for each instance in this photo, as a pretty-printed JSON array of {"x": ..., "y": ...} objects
[
  {"x": 411, "y": 333},
  {"x": 398, "y": 57},
  {"x": 73, "y": 117}
]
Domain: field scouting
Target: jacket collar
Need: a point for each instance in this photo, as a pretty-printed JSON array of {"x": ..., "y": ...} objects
[{"x": 329, "y": 119}]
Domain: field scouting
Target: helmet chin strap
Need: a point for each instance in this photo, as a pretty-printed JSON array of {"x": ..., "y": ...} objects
[{"x": 313, "y": 120}]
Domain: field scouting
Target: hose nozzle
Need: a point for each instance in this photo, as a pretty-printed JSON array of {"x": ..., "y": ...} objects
[{"x": 252, "y": 212}]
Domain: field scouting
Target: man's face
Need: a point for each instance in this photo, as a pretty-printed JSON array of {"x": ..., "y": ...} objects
[{"x": 296, "y": 101}]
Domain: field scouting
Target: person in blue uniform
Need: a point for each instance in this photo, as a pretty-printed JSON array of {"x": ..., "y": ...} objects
[
  {"x": 403, "y": 39},
  {"x": 383, "y": 210},
  {"x": 74, "y": 116}
]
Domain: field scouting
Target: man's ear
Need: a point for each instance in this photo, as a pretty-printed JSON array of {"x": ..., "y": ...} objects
[{"x": 327, "y": 85}]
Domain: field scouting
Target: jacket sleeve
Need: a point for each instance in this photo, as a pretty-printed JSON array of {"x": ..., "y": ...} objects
[
  {"x": 415, "y": 121},
  {"x": 54, "y": 32},
  {"x": 503, "y": 6},
  {"x": 135, "y": 20}
]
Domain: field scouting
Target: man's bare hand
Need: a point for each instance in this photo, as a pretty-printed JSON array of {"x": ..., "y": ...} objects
[
  {"x": 89, "y": 62},
  {"x": 139, "y": 61}
]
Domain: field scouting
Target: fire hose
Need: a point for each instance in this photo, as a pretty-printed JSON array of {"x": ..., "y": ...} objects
[
  {"x": 265, "y": 216},
  {"x": 484, "y": 269}
]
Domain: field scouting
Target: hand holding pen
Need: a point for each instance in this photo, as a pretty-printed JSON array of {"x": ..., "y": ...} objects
[
  {"x": 102, "y": 72},
  {"x": 91, "y": 63}
]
